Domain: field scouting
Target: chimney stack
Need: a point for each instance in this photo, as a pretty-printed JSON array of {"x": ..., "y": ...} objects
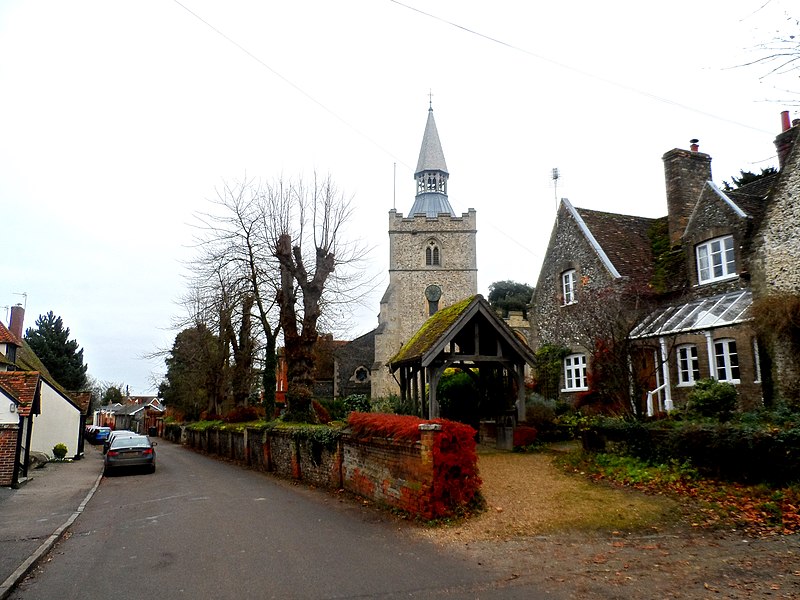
[
  {"x": 17, "y": 318},
  {"x": 786, "y": 138},
  {"x": 686, "y": 173}
]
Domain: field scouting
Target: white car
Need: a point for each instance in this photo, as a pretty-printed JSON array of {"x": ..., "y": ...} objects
[{"x": 117, "y": 433}]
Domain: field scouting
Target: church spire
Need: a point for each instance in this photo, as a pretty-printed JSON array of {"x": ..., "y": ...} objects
[{"x": 431, "y": 174}]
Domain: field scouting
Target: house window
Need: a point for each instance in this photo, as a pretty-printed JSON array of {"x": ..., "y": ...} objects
[
  {"x": 727, "y": 361},
  {"x": 715, "y": 260},
  {"x": 432, "y": 257},
  {"x": 568, "y": 287},
  {"x": 688, "y": 365},
  {"x": 575, "y": 373}
]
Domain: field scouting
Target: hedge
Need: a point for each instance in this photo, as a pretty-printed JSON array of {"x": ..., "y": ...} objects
[
  {"x": 455, "y": 478},
  {"x": 734, "y": 452}
]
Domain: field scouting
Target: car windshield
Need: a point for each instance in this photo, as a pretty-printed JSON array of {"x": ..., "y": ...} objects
[{"x": 134, "y": 441}]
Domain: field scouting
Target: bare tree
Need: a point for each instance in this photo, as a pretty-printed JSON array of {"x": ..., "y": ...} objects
[
  {"x": 236, "y": 267},
  {"x": 318, "y": 270},
  {"x": 277, "y": 251},
  {"x": 601, "y": 322},
  {"x": 780, "y": 54}
]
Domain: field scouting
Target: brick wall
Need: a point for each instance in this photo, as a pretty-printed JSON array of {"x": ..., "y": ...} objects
[
  {"x": 8, "y": 448},
  {"x": 393, "y": 473}
]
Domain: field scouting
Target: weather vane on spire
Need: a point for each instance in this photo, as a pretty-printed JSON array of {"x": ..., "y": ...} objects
[{"x": 430, "y": 99}]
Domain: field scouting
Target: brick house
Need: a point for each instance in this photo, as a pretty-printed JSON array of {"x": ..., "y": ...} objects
[{"x": 679, "y": 285}]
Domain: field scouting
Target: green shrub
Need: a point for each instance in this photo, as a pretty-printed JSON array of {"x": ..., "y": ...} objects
[
  {"x": 393, "y": 405},
  {"x": 713, "y": 399},
  {"x": 60, "y": 451},
  {"x": 335, "y": 407},
  {"x": 357, "y": 403}
]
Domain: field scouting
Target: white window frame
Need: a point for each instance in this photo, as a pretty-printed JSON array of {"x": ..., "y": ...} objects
[
  {"x": 688, "y": 364},
  {"x": 716, "y": 260},
  {"x": 726, "y": 361},
  {"x": 569, "y": 280},
  {"x": 575, "y": 373}
]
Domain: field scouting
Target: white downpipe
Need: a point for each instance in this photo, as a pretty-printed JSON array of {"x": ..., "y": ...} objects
[
  {"x": 712, "y": 359},
  {"x": 665, "y": 369}
]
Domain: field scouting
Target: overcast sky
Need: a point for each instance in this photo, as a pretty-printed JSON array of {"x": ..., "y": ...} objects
[{"x": 119, "y": 119}]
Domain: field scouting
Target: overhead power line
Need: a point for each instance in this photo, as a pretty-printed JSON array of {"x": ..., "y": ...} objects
[
  {"x": 581, "y": 72},
  {"x": 289, "y": 82}
]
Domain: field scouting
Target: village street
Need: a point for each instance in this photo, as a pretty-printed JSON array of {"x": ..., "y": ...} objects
[{"x": 201, "y": 528}]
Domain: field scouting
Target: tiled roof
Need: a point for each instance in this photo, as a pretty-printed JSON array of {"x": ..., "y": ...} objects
[
  {"x": 24, "y": 387},
  {"x": 625, "y": 240},
  {"x": 752, "y": 198},
  {"x": 432, "y": 330},
  {"x": 83, "y": 400},
  {"x": 6, "y": 337},
  {"x": 442, "y": 325}
]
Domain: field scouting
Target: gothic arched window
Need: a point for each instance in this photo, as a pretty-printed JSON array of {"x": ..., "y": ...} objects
[{"x": 432, "y": 254}]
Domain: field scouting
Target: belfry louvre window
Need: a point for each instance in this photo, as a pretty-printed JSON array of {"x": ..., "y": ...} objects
[
  {"x": 727, "y": 360},
  {"x": 715, "y": 260},
  {"x": 688, "y": 365},
  {"x": 432, "y": 257},
  {"x": 568, "y": 287},
  {"x": 575, "y": 373}
]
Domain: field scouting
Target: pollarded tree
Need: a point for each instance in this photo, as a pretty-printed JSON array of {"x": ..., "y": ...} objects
[
  {"x": 50, "y": 341},
  {"x": 316, "y": 265}
]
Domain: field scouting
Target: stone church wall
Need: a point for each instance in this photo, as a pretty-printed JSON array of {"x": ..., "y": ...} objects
[{"x": 404, "y": 307}]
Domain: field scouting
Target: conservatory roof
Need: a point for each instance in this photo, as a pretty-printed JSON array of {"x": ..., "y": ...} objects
[{"x": 701, "y": 313}]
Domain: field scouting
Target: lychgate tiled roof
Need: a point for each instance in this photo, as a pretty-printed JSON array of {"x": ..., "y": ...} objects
[{"x": 432, "y": 330}]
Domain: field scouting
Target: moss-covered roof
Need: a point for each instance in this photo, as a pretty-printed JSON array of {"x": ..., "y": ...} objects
[{"x": 433, "y": 329}]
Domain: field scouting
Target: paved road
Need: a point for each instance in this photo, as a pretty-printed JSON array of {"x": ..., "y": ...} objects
[{"x": 199, "y": 528}]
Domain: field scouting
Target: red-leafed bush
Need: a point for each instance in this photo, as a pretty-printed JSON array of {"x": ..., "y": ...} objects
[
  {"x": 323, "y": 416},
  {"x": 396, "y": 427},
  {"x": 524, "y": 436},
  {"x": 241, "y": 414},
  {"x": 455, "y": 475}
]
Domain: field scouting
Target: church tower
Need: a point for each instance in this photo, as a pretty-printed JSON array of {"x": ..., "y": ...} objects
[{"x": 432, "y": 260}]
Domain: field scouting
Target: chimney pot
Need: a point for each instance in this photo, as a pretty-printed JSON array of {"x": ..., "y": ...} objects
[
  {"x": 785, "y": 120},
  {"x": 694, "y": 145}
]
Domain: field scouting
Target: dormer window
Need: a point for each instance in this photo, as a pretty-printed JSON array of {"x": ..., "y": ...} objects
[
  {"x": 432, "y": 254},
  {"x": 715, "y": 260},
  {"x": 568, "y": 287}
]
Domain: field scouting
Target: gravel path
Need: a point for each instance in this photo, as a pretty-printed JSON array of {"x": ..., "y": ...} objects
[{"x": 595, "y": 541}]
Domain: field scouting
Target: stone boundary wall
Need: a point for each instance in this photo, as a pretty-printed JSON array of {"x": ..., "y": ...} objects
[{"x": 393, "y": 473}]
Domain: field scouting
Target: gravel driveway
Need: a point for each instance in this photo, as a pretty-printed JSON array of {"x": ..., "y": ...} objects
[{"x": 596, "y": 541}]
